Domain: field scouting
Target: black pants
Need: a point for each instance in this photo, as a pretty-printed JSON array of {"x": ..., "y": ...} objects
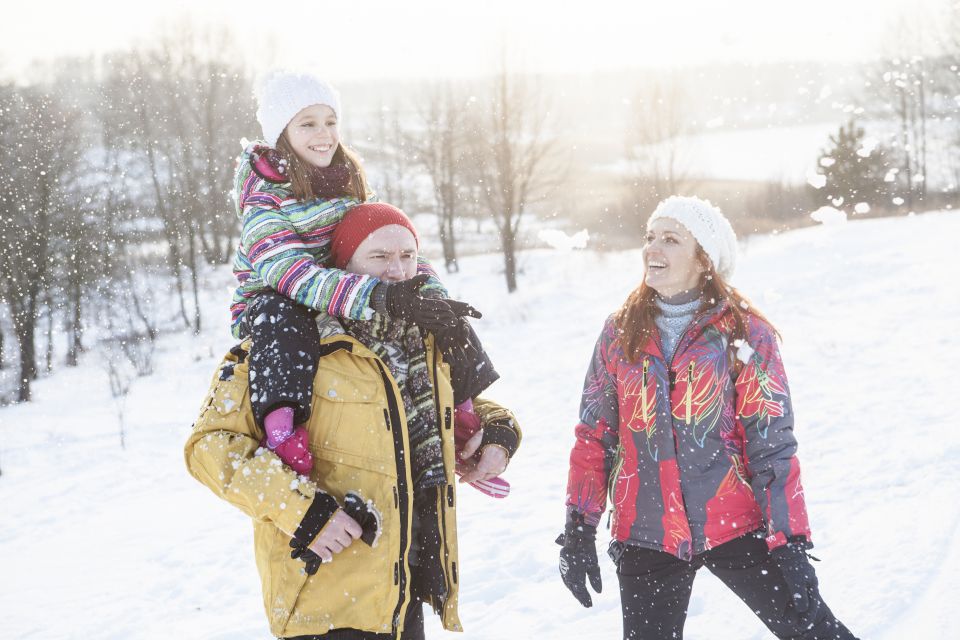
[
  {"x": 283, "y": 357},
  {"x": 655, "y": 590},
  {"x": 412, "y": 629}
]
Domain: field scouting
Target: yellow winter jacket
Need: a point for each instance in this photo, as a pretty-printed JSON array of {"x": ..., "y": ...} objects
[{"x": 357, "y": 427}]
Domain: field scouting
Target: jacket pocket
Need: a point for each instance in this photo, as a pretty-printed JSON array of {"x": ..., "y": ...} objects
[
  {"x": 287, "y": 578},
  {"x": 349, "y": 418}
]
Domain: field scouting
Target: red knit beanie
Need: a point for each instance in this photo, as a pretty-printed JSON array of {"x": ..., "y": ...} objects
[{"x": 359, "y": 223}]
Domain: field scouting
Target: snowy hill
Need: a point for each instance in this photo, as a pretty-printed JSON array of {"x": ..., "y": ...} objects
[{"x": 99, "y": 542}]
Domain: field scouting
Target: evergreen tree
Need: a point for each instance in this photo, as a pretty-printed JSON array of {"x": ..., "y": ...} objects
[{"x": 855, "y": 170}]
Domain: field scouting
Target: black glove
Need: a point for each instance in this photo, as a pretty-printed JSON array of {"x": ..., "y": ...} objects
[
  {"x": 578, "y": 560},
  {"x": 405, "y": 301},
  {"x": 311, "y": 560},
  {"x": 800, "y": 577},
  {"x": 365, "y": 514},
  {"x": 459, "y": 344},
  {"x": 320, "y": 511}
]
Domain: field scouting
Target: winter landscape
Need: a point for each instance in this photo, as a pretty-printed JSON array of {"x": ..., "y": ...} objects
[{"x": 836, "y": 158}]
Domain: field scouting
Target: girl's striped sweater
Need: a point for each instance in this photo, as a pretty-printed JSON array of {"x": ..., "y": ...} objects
[{"x": 285, "y": 245}]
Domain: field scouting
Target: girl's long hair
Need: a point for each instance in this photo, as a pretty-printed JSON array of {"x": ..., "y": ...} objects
[
  {"x": 299, "y": 171},
  {"x": 635, "y": 319}
]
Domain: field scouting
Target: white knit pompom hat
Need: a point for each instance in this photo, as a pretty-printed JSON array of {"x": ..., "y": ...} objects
[
  {"x": 283, "y": 94},
  {"x": 709, "y": 227}
]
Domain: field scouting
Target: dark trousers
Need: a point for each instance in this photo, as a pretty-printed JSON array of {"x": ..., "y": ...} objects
[
  {"x": 283, "y": 357},
  {"x": 412, "y": 629},
  {"x": 655, "y": 590}
]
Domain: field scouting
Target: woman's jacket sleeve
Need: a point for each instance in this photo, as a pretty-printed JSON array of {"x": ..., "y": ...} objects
[
  {"x": 765, "y": 417},
  {"x": 594, "y": 451}
]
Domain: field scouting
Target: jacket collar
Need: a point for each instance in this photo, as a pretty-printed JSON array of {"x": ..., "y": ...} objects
[{"x": 652, "y": 346}]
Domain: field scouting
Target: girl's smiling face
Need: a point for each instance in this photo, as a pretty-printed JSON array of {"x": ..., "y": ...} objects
[
  {"x": 313, "y": 135},
  {"x": 670, "y": 258}
]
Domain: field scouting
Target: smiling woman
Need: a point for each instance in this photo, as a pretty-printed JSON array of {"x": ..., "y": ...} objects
[{"x": 686, "y": 421}]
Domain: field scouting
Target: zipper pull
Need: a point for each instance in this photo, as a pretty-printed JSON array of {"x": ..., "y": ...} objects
[
  {"x": 689, "y": 390},
  {"x": 609, "y": 516},
  {"x": 643, "y": 393}
]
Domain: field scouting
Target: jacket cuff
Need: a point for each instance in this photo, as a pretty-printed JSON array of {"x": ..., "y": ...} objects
[
  {"x": 502, "y": 435},
  {"x": 580, "y": 526},
  {"x": 779, "y": 539},
  {"x": 321, "y": 510}
]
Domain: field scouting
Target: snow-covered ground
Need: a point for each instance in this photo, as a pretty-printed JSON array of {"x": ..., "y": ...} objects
[{"x": 100, "y": 542}]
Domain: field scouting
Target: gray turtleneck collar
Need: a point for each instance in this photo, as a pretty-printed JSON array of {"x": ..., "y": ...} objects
[{"x": 675, "y": 315}]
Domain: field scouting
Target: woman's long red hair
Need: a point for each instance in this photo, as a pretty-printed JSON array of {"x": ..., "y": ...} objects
[{"x": 635, "y": 319}]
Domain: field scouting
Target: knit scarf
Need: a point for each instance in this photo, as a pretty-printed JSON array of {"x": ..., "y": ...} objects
[
  {"x": 400, "y": 346},
  {"x": 330, "y": 182}
]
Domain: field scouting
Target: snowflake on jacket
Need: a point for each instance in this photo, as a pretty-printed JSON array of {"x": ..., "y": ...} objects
[{"x": 693, "y": 451}]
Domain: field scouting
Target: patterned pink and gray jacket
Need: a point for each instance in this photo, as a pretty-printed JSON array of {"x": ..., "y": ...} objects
[{"x": 692, "y": 454}]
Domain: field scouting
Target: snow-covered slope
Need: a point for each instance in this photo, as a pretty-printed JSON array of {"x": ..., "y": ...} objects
[{"x": 99, "y": 542}]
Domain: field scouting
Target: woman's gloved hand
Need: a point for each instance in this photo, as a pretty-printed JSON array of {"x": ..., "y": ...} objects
[
  {"x": 578, "y": 559},
  {"x": 800, "y": 577}
]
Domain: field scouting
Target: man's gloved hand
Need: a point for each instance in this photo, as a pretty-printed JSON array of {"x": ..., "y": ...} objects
[
  {"x": 800, "y": 577},
  {"x": 311, "y": 560},
  {"x": 405, "y": 301},
  {"x": 578, "y": 559}
]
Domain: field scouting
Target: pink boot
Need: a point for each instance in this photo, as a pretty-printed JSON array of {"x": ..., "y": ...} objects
[{"x": 291, "y": 445}]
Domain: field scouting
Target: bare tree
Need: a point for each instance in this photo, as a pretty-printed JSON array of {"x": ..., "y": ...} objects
[
  {"x": 184, "y": 102},
  {"x": 518, "y": 157},
  {"x": 654, "y": 152},
  {"x": 38, "y": 147},
  {"x": 392, "y": 156},
  {"x": 442, "y": 147}
]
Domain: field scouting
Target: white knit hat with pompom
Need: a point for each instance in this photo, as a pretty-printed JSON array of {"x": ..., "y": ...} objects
[
  {"x": 709, "y": 227},
  {"x": 283, "y": 94}
]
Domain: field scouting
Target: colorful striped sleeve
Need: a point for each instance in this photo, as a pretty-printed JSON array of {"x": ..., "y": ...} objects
[
  {"x": 433, "y": 284},
  {"x": 280, "y": 258}
]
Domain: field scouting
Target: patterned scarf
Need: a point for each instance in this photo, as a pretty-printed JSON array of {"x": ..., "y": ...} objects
[
  {"x": 400, "y": 346},
  {"x": 330, "y": 182}
]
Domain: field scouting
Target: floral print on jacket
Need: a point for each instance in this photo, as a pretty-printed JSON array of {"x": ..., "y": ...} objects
[{"x": 693, "y": 451}]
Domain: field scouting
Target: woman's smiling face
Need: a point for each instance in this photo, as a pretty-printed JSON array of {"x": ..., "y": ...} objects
[{"x": 670, "y": 258}]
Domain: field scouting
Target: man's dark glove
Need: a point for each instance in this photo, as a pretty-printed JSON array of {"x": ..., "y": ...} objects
[
  {"x": 578, "y": 560},
  {"x": 320, "y": 511},
  {"x": 311, "y": 560},
  {"x": 800, "y": 577},
  {"x": 405, "y": 301},
  {"x": 365, "y": 514}
]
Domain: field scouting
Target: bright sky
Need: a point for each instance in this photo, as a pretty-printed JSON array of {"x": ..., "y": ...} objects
[{"x": 356, "y": 39}]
